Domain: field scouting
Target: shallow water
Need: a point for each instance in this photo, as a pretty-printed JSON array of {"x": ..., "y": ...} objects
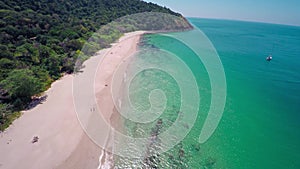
[{"x": 261, "y": 121}]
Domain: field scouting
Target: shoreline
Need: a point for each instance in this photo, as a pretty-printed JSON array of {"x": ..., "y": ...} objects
[
  {"x": 62, "y": 142},
  {"x": 126, "y": 47}
]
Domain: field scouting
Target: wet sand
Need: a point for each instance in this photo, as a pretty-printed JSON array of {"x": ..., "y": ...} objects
[{"x": 62, "y": 142}]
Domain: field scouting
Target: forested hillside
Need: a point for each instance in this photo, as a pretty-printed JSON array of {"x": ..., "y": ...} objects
[{"x": 41, "y": 39}]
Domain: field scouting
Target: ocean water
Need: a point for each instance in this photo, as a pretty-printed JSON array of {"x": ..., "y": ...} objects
[{"x": 260, "y": 126}]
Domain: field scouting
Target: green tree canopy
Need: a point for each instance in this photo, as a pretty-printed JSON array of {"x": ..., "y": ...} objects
[
  {"x": 41, "y": 39},
  {"x": 22, "y": 84}
]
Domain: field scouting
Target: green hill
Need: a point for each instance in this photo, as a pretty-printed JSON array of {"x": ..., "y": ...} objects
[{"x": 42, "y": 39}]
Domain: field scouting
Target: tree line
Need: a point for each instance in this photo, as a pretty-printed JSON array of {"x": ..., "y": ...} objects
[{"x": 42, "y": 39}]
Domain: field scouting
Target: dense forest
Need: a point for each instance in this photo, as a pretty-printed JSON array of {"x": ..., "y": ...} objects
[{"x": 42, "y": 39}]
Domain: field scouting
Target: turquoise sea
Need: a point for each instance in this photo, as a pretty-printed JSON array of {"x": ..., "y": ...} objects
[{"x": 260, "y": 126}]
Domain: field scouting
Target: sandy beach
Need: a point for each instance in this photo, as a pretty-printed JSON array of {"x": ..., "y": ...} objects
[{"x": 62, "y": 142}]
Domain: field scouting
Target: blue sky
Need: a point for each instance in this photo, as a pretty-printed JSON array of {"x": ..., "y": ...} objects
[{"x": 272, "y": 11}]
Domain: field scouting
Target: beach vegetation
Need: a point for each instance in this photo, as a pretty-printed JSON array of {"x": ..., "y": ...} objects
[
  {"x": 21, "y": 84},
  {"x": 41, "y": 40},
  {"x": 7, "y": 116}
]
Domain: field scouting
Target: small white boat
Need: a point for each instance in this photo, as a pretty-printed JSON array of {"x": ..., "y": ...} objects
[{"x": 269, "y": 58}]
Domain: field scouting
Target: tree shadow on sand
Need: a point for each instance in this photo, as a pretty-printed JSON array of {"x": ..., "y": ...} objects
[{"x": 36, "y": 101}]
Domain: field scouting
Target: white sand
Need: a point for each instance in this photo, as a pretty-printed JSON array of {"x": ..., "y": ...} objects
[
  {"x": 118, "y": 54},
  {"x": 62, "y": 142}
]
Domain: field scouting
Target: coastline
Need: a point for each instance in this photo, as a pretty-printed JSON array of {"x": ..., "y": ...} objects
[
  {"x": 62, "y": 142},
  {"x": 119, "y": 53}
]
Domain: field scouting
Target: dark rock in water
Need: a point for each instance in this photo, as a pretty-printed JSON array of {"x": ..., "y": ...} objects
[
  {"x": 156, "y": 129},
  {"x": 209, "y": 162},
  {"x": 159, "y": 122},
  {"x": 181, "y": 153},
  {"x": 151, "y": 162},
  {"x": 197, "y": 147},
  {"x": 151, "y": 159},
  {"x": 180, "y": 145},
  {"x": 171, "y": 157},
  {"x": 186, "y": 126}
]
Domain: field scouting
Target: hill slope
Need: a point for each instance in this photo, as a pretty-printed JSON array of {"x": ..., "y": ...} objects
[{"x": 41, "y": 39}]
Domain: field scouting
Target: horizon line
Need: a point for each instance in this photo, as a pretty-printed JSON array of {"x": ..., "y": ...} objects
[{"x": 244, "y": 20}]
